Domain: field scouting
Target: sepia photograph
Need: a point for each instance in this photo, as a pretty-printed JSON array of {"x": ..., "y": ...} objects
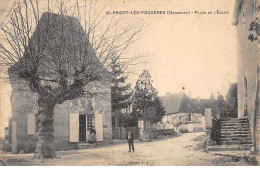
[{"x": 129, "y": 82}]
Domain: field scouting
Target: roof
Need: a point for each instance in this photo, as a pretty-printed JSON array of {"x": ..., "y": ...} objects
[
  {"x": 59, "y": 28},
  {"x": 181, "y": 103},
  {"x": 202, "y": 104}
]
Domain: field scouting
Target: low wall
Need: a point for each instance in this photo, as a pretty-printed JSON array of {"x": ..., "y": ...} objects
[{"x": 191, "y": 127}]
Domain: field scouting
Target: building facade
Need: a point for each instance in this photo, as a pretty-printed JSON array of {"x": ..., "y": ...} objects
[
  {"x": 73, "y": 119},
  {"x": 182, "y": 114},
  {"x": 248, "y": 54}
]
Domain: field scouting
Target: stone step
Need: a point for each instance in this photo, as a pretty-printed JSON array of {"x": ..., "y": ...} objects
[
  {"x": 230, "y": 135},
  {"x": 235, "y": 142},
  {"x": 240, "y": 153},
  {"x": 85, "y": 145},
  {"x": 236, "y": 124},
  {"x": 228, "y": 132},
  {"x": 236, "y": 138},
  {"x": 234, "y": 129},
  {"x": 223, "y": 120},
  {"x": 229, "y": 147},
  {"x": 234, "y": 119}
]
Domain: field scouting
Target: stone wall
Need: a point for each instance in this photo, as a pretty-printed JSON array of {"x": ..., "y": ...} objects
[
  {"x": 196, "y": 124},
  {"x": 248, "y": 61},
  {"x": 23, "y": 101}
]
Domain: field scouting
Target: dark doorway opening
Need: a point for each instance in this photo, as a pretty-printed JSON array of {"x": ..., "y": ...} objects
[{"x": 82, "y": 127}]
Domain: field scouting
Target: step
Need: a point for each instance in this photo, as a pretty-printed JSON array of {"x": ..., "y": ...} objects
[
  {"x": 235, "y": 124},
  {"x": 229, "y": 147},
  {"x": 235, "y": 142},
  {"x": 228, "y": 132},
  {"x": 85, "y": 145},
  {"x": 236, "y": 138},
  {"x": 234, "y": 129},
  {"x": 234, "y": 119},
  {"x": 230, "y": 135},
  {"x": 240, "y": 153}
]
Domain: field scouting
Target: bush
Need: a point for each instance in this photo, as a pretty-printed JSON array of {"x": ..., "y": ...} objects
[
  {"x": 5, "y": 147},
  {"x": 162, "y": 132}
]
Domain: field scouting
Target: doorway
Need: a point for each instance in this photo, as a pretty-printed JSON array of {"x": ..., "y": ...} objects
[{"x": 82, "y": 127}]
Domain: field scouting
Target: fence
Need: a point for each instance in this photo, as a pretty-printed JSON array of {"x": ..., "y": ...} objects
[{"x": 120, "y": 133}]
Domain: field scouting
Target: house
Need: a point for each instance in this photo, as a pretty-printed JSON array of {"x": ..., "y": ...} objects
[
  {"x": 248, "y": 55},
  {"x": 182, "y": 113},
  {"x": 73, "y": 118}
]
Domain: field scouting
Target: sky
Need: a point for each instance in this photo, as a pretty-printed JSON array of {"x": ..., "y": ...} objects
[{"x": 193, "y": 53}]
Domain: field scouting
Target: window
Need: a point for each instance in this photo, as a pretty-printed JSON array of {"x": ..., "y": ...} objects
[
  {"x": 90, "y": 103},
  {"x": 189, "y": 117},
  {"x": 243, "y": 17},
  {"x": 89, "y": 121}
]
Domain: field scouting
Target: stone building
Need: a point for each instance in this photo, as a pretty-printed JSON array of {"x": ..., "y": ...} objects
[
  {"x": 248, "y": 55},
  {"x": 72, "y": 119},
  {"x": 182, "y": 113}
]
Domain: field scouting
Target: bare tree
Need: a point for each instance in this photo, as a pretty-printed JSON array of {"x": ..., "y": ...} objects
[{"x": 58, "y": 55}]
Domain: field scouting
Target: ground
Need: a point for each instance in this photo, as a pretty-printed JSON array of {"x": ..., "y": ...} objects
[{"x": 185, "y": 150}]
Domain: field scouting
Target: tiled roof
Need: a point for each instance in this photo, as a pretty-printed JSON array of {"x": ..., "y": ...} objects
[
  {"x": 181, "y": 103},
  {"x": 75, "y": 38}
]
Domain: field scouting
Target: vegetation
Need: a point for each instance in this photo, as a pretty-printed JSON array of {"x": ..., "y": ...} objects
[
  {"x": 58, "y": 48},
  {"x": 226, "y": 108},
  {"x": 146, "y": 103},
  {"x": 120, "y": 93}
]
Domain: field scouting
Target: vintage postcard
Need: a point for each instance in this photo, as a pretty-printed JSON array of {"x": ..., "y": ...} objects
[{"x": 129, "y": 82}]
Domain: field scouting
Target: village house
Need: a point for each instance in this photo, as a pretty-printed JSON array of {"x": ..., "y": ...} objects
[
  {"x": 72, "y": 119},
  {"x": 248, "y": 55},
  {"x": 183, "y": 114}
]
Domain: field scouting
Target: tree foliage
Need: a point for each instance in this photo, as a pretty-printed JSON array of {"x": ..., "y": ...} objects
[
  {"x": 156, "y": 111},
  {"x": 146, "y": 102},
  {"x": 226, "y": 108},
  {"x": 120, "y": 92}
]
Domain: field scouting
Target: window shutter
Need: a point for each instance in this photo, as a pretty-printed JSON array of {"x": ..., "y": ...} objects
[
  {"x": 87, "y": 132},
  {"x": 31, "y": 125},
  {"x": 99, "y": 126},
  {"x": 74, "y": 127}
]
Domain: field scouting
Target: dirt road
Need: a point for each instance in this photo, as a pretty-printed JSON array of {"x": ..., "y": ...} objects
[{"x": 173, "y": 151}]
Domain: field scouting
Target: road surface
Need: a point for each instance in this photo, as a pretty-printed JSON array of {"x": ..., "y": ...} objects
[{"x": 173, "y": 151}]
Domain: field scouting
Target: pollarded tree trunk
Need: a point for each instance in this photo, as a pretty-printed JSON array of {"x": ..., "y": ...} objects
[{"x": 45, "y": 144}]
